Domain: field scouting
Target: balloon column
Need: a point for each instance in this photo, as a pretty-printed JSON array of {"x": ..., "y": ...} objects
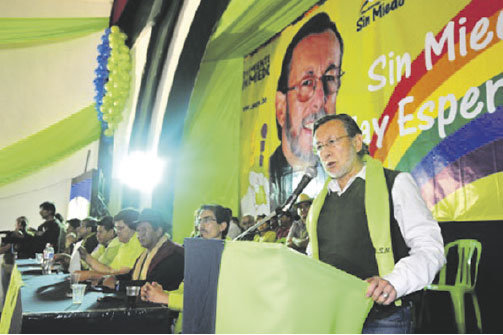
[{"x": 112, "y": 79}]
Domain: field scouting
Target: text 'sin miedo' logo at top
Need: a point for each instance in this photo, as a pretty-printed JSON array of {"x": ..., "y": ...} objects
[
  {"x": 372, "y": 10},
  {"x": 368, "y": 5}
]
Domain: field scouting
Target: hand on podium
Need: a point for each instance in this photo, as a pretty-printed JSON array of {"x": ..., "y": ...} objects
[{"x": 380, "y": 290}]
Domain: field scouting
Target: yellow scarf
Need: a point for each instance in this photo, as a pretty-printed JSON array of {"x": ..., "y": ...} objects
[{"x": 141, "y": 267}]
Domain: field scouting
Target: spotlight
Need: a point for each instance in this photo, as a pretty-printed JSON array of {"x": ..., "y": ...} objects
[{"x": 141, "y": 170}]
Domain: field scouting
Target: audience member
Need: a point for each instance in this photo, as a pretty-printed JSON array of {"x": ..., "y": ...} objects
[
  {"x": 87, "y": 233},
  {"x": 108, "y": 245},
  {"x": 161, "y": 262},
  {"x": 246, "y": 222},
  {"x": 265, "y": 233},
  {"x": 128, "y": 252},
  {"x": 297, "y": 237},
  {"x": 19, "y": 240},
  {"x": 273, "y": 223},
  {"x": 213, "y": 221},
  {"x": 259, "y": 217},
  {"x": 234, "y": 229},
  {"x": 126, "y": 222},
  {"x": 72, "y": 227},
  {"x": 285, "y": 222},
  {"x": 49, "y": 231}
]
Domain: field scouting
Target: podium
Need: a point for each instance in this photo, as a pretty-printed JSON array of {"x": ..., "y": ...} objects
[{"x": 248, "y": 287}]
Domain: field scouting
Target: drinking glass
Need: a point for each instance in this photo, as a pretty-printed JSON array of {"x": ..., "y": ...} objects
[
  {"x": 78, "y": 291},
  {"x": 132, "y": 293}
]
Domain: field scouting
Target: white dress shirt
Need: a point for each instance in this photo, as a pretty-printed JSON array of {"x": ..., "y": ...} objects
[
  {"x": 234, "y": 230},
  {"x": 419, "y": 229}
]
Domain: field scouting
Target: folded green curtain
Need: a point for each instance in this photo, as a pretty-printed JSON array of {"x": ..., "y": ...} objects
[
  {"x": 245, "y": 25},
  {"x": 269, "y": 288},
  {"x": 26, "y": 32},
  {"x": 49, "y": 145},
  {"x": 215, "y": 106},
  {"x": 10, "y": 303}
]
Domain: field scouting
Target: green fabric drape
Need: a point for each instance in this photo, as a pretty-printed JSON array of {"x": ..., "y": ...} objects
[
  {"x": 12, "y": 293},
  {"x": 246, "y": 25},
  {"x": 269, "y": 288},
  {"x": 27, "y": 32},
  {"x": 209, "y": 167},
  {"x": 49, "y": 145},
  {"x": 207, "y": 171}
]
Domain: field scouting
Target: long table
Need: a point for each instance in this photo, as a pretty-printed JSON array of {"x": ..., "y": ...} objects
[{"x": 47, "y": 308}]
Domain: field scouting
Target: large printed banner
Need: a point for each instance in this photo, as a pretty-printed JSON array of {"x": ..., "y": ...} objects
[{"x": 423, "y": 79}]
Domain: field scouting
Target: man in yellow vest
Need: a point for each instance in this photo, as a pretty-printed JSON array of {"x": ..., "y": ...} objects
[{"x": 372, "y": 223}]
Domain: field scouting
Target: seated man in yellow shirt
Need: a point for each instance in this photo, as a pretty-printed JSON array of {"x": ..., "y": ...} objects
[
  {"x": 125, "y": 246},
  {"x": 265, "y": 233},
  {"x": 108, "y": 245}
]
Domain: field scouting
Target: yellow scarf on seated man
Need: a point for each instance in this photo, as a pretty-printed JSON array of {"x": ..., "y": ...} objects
[{"x": 141, "y": 267}]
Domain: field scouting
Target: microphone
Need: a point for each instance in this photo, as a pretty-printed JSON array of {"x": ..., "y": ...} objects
[{"x": 309, "y": 174}]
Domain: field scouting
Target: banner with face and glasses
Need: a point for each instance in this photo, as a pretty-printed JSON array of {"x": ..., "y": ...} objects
[{"x": 423, "y": 80}]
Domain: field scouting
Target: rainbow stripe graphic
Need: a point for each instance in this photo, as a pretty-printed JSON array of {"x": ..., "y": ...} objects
[{"x": 458, "y": 168}]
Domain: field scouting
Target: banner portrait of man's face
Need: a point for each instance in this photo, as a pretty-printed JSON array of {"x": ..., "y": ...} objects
[
  {"x": 307, "y": 87},
  {"x": 427, "y": 96}
]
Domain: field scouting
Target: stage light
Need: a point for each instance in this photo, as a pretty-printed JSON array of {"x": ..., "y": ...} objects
[{"x": 141, "y": 170}]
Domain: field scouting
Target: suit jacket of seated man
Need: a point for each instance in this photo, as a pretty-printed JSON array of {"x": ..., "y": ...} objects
[{"x": 166, "y": 266}]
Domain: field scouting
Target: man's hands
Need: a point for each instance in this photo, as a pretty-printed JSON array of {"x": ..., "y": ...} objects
[
  {"x": 380, "y": 290},
  {"x": 109, "y": 282},
  {"x": 154, "y": 293}
]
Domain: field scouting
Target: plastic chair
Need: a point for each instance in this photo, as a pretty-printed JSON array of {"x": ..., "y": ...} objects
[{"x": 466, "y": 278}]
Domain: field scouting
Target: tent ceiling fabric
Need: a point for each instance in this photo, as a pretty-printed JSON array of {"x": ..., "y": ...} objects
[
  {"x": 48, "y": 49},
  {"x": 246, "y": 25},
  {"x": 49, "y": 145},
  {"x": 27, "y": 32},
  {"x": 55, "y": 8}
]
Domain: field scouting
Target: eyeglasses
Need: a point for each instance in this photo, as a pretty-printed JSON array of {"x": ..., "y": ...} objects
[
  {"x": 206, "y": 219},
  {"x": 307, "y": 86},
  {"x": 331, "y": 143}
]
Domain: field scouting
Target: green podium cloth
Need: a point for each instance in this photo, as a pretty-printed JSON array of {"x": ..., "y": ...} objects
[
  {"x": 10, "y": 301},
  {"x": 269, "y": 288}
]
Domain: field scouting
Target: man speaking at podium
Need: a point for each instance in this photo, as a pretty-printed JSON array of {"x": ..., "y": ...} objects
[{"x": 372, "y": 223}]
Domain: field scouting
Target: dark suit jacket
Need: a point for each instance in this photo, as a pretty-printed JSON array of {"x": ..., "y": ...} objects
[{"x": 166, "y": 268}]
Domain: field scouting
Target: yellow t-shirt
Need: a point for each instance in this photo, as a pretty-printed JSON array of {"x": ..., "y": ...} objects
[
  {"x": 269, "y": 236},
  {"x": 108, "y": 254},
  {"x": 127, "y": 254}
]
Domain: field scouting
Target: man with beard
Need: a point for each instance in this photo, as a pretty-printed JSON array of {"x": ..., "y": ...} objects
[{"x": 307, "y": 90}]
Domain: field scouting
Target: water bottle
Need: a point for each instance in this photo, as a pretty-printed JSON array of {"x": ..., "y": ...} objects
[{"x": 48, "y": 258}]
